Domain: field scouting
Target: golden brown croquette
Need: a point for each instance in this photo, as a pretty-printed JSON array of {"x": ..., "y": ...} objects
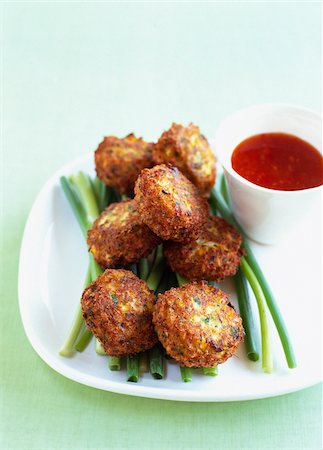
[
  {"x": 117, "y": 308},
  {"x": 119, "y": 237},
  {"x": 169, "y": 203},
  {"x": 118, "y": 162},
  {"x": 187, "y": 149},
  {"x": 197, "y": 325},
  {"x": 215, "y": 255}
]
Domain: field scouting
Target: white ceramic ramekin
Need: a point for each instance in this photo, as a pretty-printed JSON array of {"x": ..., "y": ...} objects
[{"x": 266, "y": 215}]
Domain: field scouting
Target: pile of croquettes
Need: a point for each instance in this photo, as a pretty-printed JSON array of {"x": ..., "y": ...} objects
[{"x": 167, "y": 184}]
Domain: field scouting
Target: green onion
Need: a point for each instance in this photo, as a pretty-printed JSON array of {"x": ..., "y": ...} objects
[
  {"x": 134, "y": 269},
  {"x": 217, "y": 200},
  {"x": 181, "y": 280},
  {"x": 102, "y": 192},
  {"x": 83, "y": 183},
  {"x": 156, "y": 362},
  {"x": 224, "y": 189},
  {"x": 79, "y": 193},
  {"x": 98, "y": 348},
  {"x": 143, "y": 268},
  {"x": 133, "y": 368},
  {"x": 83, "y": 340},
  {"x": 68, "y": 346},
  {"x": 186, "y": 374},
  {"x": 95, "y": 269},
  {"x": 246, "y": 314},
  {"x": 267, "y": 362},
  {"x": 116, "y": 195},
  {"x": 157, "y": 270},
  {"x": 210, "y": 371},
  {"x": 114, "y": 363},
  {"x": 75, "y": 204}
]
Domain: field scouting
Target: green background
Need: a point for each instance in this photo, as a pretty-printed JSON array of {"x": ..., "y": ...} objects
[{"x": 73, "y": 72}]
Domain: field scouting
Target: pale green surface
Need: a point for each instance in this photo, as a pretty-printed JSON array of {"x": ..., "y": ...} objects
[{"x": 74, "y": 72}]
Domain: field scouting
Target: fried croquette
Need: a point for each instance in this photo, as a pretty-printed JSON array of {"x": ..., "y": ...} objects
[
  {"x": 118, "y": 162},
  {"x": 187, "y": 149},
  {"x": 119, "y": 237},
  {"x": 117, "y": 308},
  {"x": 215, "y": 255},
  {"x": 197, "y": 325},
  {"x": 169, "y": 203}
]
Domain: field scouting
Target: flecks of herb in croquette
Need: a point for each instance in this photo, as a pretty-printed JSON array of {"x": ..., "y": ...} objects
[
  {"x": 120, "y": 161},
  {"x": 234, "y": 332},
  {"x": 188, "y": 150},
  {"x": 213, "y": 256},
  {"x": 197, "y": 300},
  {"x": 118, "y": 236},
  {"x": 178, "y": 215},
  {"x": 202, "y": 332},
  {"x": 125, "y": 328},
  {"x": 205, "y": 320},
  {"x": 114, "y": 298}
]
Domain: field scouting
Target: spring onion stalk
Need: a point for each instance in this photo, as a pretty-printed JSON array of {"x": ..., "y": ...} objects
[
  {"x": 267, "y": 360},
  {"x": 79, "y": 192},
  {"x": 157, "y": 270},
  {"x": 156, "y": 362},
  {"x": 210, "y": 371},
  {"x": 83, "y": 184},
  {"x": 246, "y": 314},
  {"x": 186, "y": 374},
  {"x": 157, "y": 353},
  {"x": 151, "y": 260},
  {"x": 133, "y": 368},
  {"x": 143, "y": 268},
  {"x": 224, "y": 189},
  {"x": 274, "y": 310},
  {"x": 217, "y": 200},
  {"x": 83, "y": 340},
  {"x": 116, "y": 195},
  {"x": 114, "y": 363},
  {"x": 143, "y": 362},
  {"x": 102, "y": 193},
  {"x": 98, "y": 348},
  {"x": 95, "y": 269},
  {"x": 68, "y": 346},
  {"x": 243, "y": 297},
  {"x": 75, "y": 203},
  {"x": 134, "y": 269},
  {"x": 181, "y": 280},
  {"x": 96, "y": 188}
]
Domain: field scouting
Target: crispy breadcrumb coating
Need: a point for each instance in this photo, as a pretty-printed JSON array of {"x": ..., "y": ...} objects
[
  {"x": 197, "y": 325},
  {"x": 117, "y": 308},
  {"x": 215, "y": 255},
  {"x": 118, "y": 162},
  {"x": 187, "y": 149},
  {"x": 170, "y": 204},
  {"x": 119, "y": 237}
]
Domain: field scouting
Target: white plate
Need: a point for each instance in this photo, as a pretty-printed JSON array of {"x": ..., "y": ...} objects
[{"x": 53, "y": 263}]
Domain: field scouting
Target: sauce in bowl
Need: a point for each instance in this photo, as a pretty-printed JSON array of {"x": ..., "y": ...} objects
[{"x": 278, "y": 161}]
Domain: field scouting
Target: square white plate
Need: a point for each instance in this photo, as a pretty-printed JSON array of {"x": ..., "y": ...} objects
[{"x": 53, "y": 264}]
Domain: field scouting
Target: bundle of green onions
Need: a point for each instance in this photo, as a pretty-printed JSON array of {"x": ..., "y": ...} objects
[{"x": 88, "y": 198}]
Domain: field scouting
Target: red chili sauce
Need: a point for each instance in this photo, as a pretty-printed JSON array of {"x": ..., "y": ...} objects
[{"x": 278, "y": 161}]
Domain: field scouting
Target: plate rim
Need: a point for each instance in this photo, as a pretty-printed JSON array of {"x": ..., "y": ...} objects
[{"x": 133, "y": 389}]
